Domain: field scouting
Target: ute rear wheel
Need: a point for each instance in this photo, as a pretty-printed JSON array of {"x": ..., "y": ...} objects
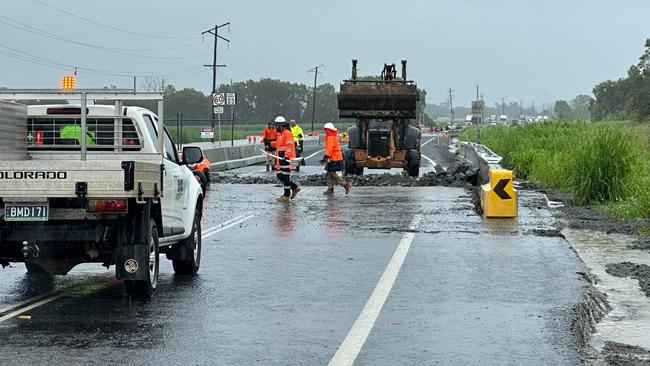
[
  {"x": 191, "y": 265},
  {"x": 146, "y": 288}
]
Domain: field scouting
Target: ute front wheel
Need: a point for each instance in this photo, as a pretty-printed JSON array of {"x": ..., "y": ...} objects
[{"x": 190, "y": 266}]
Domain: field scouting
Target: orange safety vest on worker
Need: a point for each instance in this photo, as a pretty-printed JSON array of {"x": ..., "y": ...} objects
[
  {"x": 332, "y": 147},
  {"x": 269, "y": 134},
  {"x": 284, "y": 144}
]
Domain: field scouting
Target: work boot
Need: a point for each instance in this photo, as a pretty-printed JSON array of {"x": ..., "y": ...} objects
[
  {"x": 347, "y": 187},
  {"x": 329, "y": 192},
  {"x": 294, "y": 192},
  {"x": 283, "y": 198}
]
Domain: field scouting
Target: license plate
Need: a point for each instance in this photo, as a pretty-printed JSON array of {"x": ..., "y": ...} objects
[{"x": 26, "y": 212}]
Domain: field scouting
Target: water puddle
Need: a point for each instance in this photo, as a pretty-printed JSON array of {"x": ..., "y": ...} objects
[{"x": 629, "y": 320}]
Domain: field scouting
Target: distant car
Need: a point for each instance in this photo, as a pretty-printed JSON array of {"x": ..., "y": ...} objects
[
  {"x": 514, "y": 122},
  {"x": 493, "y": 123}
]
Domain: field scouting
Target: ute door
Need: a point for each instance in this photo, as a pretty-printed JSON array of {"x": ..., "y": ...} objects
[{"x": 173, "y": 184}]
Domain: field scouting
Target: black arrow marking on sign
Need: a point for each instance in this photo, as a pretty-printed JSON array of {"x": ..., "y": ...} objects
[{"x": 499, "y": 189}]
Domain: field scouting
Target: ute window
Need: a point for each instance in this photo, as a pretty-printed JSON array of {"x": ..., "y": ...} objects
[{"x": 64, "y": 133}]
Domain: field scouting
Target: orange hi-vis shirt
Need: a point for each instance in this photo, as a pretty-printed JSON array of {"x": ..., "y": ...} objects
[
  {"x": 332, "y": 147},
  {"x": 284, "y": 143},
  {"x": 269, "y": 134}
]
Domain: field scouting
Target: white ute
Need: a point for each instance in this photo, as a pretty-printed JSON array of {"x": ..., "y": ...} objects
[{"x": 117, "y": 194}]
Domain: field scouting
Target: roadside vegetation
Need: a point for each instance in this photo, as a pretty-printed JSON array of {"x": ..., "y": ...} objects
[{"x": 604, "y": 164}]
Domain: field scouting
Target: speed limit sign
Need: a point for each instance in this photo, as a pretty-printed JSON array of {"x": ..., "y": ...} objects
[{"x": 218, "y": 99}]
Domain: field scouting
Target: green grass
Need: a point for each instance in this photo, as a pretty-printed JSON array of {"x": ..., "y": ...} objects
[{"x": 597, "y": 163}]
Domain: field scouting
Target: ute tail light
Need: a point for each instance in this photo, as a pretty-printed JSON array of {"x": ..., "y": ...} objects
[{"x": 107, "y": 206}]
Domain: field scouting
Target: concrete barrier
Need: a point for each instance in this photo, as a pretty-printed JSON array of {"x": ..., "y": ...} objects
[
  {"x": 497, "y": 196},
  {"x": 481, "y": 158},
  {"x": 231, "y": 157}
]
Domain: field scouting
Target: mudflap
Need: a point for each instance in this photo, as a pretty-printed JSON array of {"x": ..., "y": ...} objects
[{"x": 132, "y": 251}]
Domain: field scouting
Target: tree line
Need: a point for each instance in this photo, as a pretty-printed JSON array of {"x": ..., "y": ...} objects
[
  {"x": 628, "y": 97},
  {"x": 260, "y": 101}
]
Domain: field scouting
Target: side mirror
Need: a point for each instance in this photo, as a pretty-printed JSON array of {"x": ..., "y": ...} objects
[{"x": 192, "y": 155}]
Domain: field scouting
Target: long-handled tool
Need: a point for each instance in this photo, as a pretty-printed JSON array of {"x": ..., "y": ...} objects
[{"x": 293, "y": 161}]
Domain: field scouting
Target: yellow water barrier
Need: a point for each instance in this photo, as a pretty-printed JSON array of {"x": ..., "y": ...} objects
[{"x": 498, "y": 196}]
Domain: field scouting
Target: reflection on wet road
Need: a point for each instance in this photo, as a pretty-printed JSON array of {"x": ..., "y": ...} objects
[{"x": 285, "y": 284}]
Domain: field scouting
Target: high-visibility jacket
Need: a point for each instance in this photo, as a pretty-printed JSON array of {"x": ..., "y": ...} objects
[
  {"x": 285, "y": 147},
  {"x": 332, "y": 147},
  {"x": 73, "y": 132},
  {"x": 269, "y": 134},
  {"x": 297, "y": 133}
]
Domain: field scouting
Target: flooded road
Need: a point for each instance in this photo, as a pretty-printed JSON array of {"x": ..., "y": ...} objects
[{"x": 387, "y": 275}]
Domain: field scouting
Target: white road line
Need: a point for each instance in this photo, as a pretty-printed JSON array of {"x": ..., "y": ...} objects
[
  {"x": 26, "y": 301},
  {"x": 308, "y": 190},
  {"x": 314, "y": 154},
  {"x": 351, "y": 346},
  {"x": 30, "y": 307},
  {"x": 56, "y": 294},
  {"x": 429, "y": 160},
  {"x": 433, "y": 138},
  {"x": 226, "y": 225}
]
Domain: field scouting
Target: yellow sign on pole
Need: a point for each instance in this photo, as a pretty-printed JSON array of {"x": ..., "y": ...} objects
[{"x": 498, "y": 197}]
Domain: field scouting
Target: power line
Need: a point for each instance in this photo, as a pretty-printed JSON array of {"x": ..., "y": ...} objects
[
  {"x": 27, "y": 28},
  {"x": 107, "y": 25},
  {"x": 24, "y": 56}
]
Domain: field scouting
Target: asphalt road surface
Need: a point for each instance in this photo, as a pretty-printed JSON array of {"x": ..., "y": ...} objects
[{"x": 385, "y": 276}]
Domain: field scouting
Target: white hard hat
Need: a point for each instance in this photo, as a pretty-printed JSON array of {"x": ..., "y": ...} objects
[
  {"x": 279, "y": 120},
  {"x": 330, "y": 126}
]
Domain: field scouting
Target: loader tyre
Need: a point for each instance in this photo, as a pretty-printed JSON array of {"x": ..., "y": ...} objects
[
  {"x": 350, "y": 164},
  {"x": 146, "y": 288},
  {"x": 413, "y": 163},
  {"x": 191, "y": 265}
]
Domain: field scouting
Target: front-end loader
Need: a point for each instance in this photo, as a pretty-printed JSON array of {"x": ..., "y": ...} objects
[{"x": 386, "y": 134}]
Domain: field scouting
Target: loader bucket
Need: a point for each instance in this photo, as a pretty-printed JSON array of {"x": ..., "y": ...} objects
[{"x": 377, "y": 99}]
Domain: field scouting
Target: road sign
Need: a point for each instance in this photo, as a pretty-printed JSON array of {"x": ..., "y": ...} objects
[
  {"x": 218, "y": 99},
  {"x": 231, "y": 98},
  {"x": 478, "y": 106},
  {"x": 498, "y": 197},
  {"x": 217, "y": 110},
  {"x": 500, "y": 189},
  {"x": 207, "y": 132}
]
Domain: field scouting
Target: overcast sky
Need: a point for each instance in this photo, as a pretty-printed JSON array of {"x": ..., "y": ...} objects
[{"x": 518, "y": 49}]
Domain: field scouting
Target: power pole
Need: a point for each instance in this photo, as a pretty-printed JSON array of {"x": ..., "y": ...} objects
[
  {"x": 503, "y": 105},
  {"x": 482, "y": 110},
  {"x": 451, "y": 106},
  {"x": 232, "y": 120},
  {"x": 215, "y": 32},
  {"x": 533, "y": 109},
  {"x": 521, "y": 108},
  {"x": 313, "y": 110}
]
